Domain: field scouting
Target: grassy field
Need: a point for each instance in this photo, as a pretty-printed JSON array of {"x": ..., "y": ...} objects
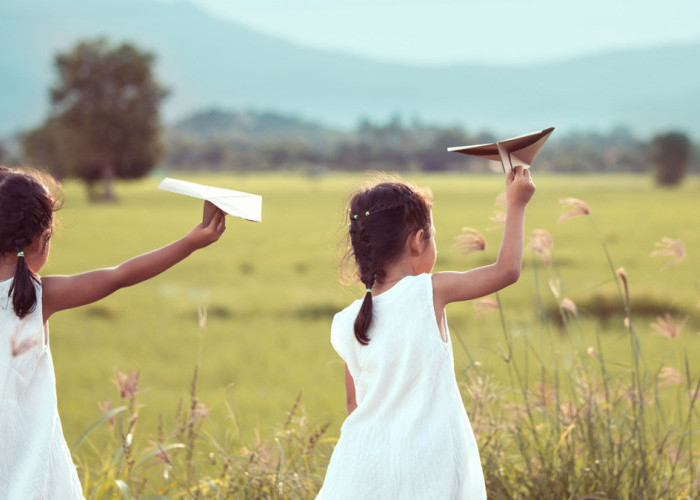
[{"x": 271, "y": 289}]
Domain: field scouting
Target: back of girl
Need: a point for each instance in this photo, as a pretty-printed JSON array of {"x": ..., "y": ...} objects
[
  {"x": 407, "y": 434},
  {"x": 35, "y": 462}
]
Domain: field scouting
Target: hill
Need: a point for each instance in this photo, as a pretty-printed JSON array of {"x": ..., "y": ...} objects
[{"x": 209, "y": 63}]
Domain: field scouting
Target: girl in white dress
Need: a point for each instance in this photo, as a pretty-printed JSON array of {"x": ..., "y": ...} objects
[
  {"x": 35, "y": 462},
  {"x": 407, "y": 434}
]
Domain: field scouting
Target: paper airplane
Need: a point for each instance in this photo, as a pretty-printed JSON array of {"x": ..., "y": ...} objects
[
  {"x": 244, "y": 205},
  {"x": 518, "y": 151}
]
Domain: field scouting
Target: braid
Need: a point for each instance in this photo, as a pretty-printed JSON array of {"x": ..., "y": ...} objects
[
  {"x": 26, "y": 212},
  {"x": 381, "y": 219}
]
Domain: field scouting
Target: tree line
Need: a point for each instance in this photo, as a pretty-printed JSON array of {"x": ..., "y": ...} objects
[{"x": 104, "y": 124}]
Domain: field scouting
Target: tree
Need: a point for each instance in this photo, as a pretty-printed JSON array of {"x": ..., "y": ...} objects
[
  {"x": 104, "y": 119},
  {"x": 670, "y": 152}
]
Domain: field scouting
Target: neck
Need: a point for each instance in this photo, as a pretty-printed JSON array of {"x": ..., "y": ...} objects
[{"x": 394, "y": 274}]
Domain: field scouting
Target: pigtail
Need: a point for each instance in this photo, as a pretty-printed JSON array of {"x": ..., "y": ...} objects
[
  {"x": 364, "y": 317},
  {"x": 22, "y": 289}
]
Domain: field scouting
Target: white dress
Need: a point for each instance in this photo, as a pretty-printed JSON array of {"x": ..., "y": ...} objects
[
  {"x": 34, "y": 459},
  {"x": 409, "y": 437}
]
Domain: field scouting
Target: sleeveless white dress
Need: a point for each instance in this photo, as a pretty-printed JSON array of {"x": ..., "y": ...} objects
[
  {"x": 34, "y": 459},
  {"x": 409, "y": 437}
]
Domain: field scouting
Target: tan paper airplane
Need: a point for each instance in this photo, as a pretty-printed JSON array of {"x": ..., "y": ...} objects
[
  {"x": 518, "y": 151},
  {"x": 244, "y": 205}
]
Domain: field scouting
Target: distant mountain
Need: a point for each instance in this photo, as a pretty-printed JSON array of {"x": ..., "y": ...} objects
[{"x": 210, "y": 63}]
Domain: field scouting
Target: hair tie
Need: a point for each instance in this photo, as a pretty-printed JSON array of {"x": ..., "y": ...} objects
[
  {"x": 20, "y": 254},
  {"x": 369, "y": 290}
]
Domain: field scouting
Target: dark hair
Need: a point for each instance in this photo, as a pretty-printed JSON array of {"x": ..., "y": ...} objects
[
  {"x": 28, "y": 200},
  {"x": 382, "y": 217}
]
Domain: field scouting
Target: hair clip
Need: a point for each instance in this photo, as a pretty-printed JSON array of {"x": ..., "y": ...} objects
[
  {"x": 367, "y": 213},
  {"x": 354, "y": 216}
]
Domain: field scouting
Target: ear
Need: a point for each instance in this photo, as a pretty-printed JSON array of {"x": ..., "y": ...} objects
[{"x": 415, "y": 242}]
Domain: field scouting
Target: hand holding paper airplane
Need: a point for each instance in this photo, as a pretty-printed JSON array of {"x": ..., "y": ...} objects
[
  {"x": 244, "y": 205},
  {"x": 518, "y": 151}
]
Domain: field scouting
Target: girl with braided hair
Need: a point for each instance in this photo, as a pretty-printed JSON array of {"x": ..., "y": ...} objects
[
  {"x": 407, "y": 434},
  {"x": 34, "y": 459}
]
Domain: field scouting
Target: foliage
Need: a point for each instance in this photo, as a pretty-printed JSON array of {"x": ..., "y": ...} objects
[
  {"x": 253, "y": 140},
  {"x": 670, "y": 153},
  {"x": 104, "y": 119}
]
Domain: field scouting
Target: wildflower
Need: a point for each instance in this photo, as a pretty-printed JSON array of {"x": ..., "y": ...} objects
[
  {"x": 540, "y": 242},
  {"x": 127, "y": 384},
  {"x": 471, "y": 241},
  {"x": 593, "y": 353},
  {"x": 667, "y": 326},
  {"x": 568, "y": 305},
  {"x": 485, "y": 305},
  {"x": 668, "y": 247},
  {"x": 670, "y": 376},
  {"x": 579, "y": 208}
]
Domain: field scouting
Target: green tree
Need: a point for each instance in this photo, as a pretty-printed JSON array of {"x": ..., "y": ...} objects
[
  {"x": 670, "y": 153},
  {"x": 104, "y": 119}
]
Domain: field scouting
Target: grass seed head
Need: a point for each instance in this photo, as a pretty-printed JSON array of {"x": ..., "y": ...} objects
[
  {"x": 579, "y": 207},
  {"x": 669, "y": 247},
  {"x": 568, "y": 305},
  {"x": 670, "y": 376},
  {"x": 471, "y": 241},
  {"x": 484, "y": 305},
  {"x": 668, "y": 326}
]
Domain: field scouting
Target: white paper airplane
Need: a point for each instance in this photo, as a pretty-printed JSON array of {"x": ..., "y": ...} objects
[{"x": 244, "y": 205}]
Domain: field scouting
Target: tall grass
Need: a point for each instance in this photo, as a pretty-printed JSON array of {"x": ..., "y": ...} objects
[
  {"x": 595, "y": 428},
  {"x": 190, "y": 460},
  {"x": 569, "y": 421}
]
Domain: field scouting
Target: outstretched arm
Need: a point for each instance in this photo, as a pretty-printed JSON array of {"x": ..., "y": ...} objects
[
  {"x": 457, "y": 286},
  {"x": 66, "y": 292}
]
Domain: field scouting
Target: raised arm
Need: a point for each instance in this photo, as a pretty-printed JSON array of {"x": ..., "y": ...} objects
[
  {"x": 457, "y": 286},
  {"x": 66, "y": 292}
]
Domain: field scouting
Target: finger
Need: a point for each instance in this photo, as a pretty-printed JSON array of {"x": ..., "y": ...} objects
[
  {"x": 216, "y": 220},
  {"x": 222, "y": 224}
]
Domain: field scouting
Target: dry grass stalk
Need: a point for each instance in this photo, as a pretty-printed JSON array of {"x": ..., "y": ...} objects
[
  {"x": 568, "y": 305},
  {"x": 127, "y": 384},
  {"x": 669, "y": 247},
  {"x": 579, "y": 208},
  {"x": 540, "y": 242},
  {"x": 484, "y": 305},
  {"x": 471, "y": 241},
  {"x": 670, "y": 376},
  {"x": 667, "y": 326}
]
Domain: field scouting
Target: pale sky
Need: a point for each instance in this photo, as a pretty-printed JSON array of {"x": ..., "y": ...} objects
[{"x": 470, "y": 31}]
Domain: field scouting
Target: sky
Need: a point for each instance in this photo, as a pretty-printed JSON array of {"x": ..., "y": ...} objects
[{"x": 437, "y": 32}]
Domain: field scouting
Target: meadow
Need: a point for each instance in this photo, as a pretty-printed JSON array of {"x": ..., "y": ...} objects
[{"x": 270, "y": 291}]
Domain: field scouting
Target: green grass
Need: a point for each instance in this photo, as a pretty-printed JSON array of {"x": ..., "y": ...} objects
[{"x": 271, "y": 289}]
